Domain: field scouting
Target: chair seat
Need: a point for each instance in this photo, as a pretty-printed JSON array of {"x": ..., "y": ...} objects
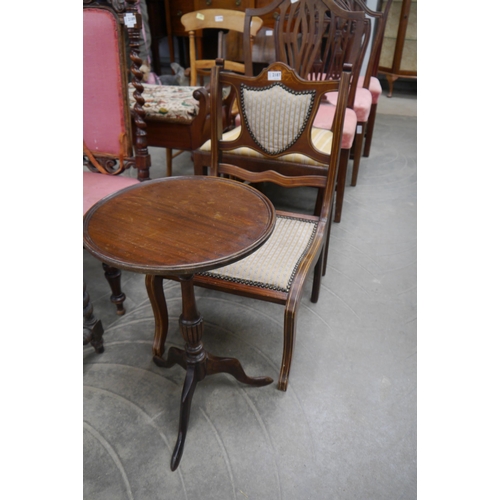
[
  {"x": 97, "y": 186},
  {"x": 169, "y": 103},
  {"x": 362, "y": 103},
  {"x": 273, "y": 266},
  {"x": 324, "y": 119},
  {"x": 375, "y": 88},
  {"x": 321, "y": 139}
]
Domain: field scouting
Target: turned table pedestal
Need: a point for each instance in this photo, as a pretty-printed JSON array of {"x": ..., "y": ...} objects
[{"x": 176, "y": 227}]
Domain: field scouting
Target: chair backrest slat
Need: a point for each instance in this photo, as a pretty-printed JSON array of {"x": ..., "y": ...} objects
[{"x": 279, "y": 123}]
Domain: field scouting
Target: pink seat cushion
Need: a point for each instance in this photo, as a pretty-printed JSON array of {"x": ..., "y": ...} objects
[
  {"x": 324, "y": 119},
  {"x": 103, "y": 92},
  {"x": 375, "y": 88},
  {"x": 362, "y": 103},
  {"x": 97, "y": 186}
]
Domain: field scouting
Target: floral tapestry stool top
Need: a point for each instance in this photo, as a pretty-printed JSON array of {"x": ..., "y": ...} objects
[{"x": 168, "y": 103}]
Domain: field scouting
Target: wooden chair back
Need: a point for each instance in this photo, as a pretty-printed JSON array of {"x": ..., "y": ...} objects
[
  {"x": 277, "y": 113},
  {"x": 108, "y": 141},
  {"x": 223, "y": 20},
  {"x": 315, "y": 37},
  {"x": 379, "y": 21}
]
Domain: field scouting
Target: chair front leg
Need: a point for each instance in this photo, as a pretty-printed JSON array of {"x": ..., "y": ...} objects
[
  {"x": 358, "y": 145},
  {"x": 92, "y": 327},
  {"x": 341, "y": 178},
  {"x": 369, "y": 130},
  {"x": 113, "y": 275},
  {"x": 289, "y": 329}
]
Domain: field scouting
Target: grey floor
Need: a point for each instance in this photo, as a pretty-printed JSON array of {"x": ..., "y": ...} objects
[{"x": 347, "y": 426}]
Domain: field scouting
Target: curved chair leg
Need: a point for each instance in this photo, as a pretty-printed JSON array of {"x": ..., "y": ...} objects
[
  {"x": 113, "y": 276},
  {"x": 288, "y": 345},
  {"x": 318, "y": 273},
  {"x": 154, "y": 287},
  {"x": 370, "y": 125},
  {"x": 92, "y": 327}
]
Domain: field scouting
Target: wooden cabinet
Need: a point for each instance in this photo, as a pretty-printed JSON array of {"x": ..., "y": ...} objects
[{"x": 398, "y": 58}]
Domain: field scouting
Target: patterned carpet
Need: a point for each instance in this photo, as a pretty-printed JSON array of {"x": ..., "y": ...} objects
[{"x": 347, "y": 426}]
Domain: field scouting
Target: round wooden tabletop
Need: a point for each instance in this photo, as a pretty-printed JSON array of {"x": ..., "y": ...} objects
[{"x": 178, "y": 225}]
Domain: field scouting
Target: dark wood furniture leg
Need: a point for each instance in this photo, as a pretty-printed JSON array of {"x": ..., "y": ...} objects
[
  {"x": 113, "y": 275},
  {"x": 197, "y": 362},
  {"x": 369, "y": 130},
  {"x": 154, "y": 286},
  {"x": 92, "y": 327},
  {"x": 391, "y": 79}
]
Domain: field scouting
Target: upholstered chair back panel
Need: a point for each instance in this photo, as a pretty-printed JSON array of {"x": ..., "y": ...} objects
[{"x": 104, "y": 116}]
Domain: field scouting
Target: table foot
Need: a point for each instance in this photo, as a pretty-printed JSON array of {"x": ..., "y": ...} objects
[
  {"x": 187, "y": 396},
  {"x": 232, "y": 366},
  {"x": 174, "y": 356}
]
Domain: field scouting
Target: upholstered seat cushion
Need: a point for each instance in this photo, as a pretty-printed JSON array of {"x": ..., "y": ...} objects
[
  {"x": 362, "y": 103},
  {"x": 168, "y": 103},
  {"x": 97, "y": 186},
  {"x": 375, "y": 88},
  {"x": 321, "y": 138},
  {"x": 274, "y": 265},
  {"x": 324, "y": 119}
]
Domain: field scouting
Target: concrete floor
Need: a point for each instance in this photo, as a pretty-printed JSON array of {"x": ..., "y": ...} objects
[{"x": 347, "y": 426}]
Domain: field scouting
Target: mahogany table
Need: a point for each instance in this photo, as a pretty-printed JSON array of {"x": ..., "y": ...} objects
[{"x": 179, "y": 226}]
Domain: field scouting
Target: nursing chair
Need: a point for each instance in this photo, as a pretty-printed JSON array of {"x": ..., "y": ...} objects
[
  {"x": 109, "y": 147},
  {"x": 277, "y": 112},
  {"x": 315, "y": 38}
]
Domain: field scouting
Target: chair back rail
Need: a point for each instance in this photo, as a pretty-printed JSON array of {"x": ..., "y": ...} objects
[{"x": 316, "y": 38}]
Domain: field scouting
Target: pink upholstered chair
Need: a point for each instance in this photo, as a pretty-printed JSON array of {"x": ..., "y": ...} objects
[
  {"x": 109, "y": 147},
  {"x": 368, "y": 88},
  {"x": 370, "y": 79}
]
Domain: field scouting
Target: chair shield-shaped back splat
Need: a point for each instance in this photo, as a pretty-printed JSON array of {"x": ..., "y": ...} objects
[{"x": 264, "y": 109}]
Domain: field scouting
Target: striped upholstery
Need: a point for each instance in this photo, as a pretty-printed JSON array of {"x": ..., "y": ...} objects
[
  {"x": 321, "y": 139},
  {"x": 265, "y": 109},
  {"x": 273, "y": 265}
]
